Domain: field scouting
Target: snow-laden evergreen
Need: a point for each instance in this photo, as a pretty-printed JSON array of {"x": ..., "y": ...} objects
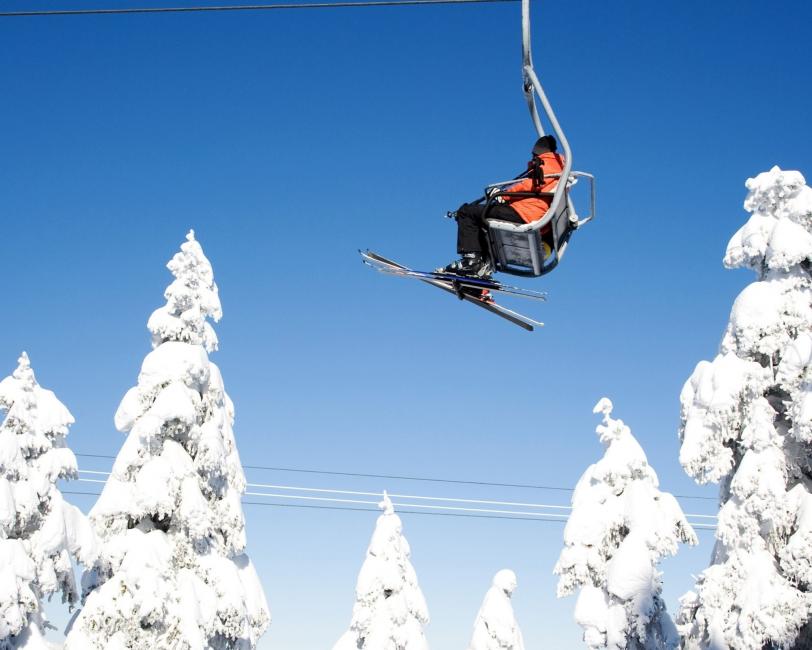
[
  {"x": 747, "y": 424},
  {"x": 172, "y": 571},
  {"x": 620, "y": 527},
  {"x": 40, "y": 534},
  {"x": 390, "y": 610},
  {"x": 495, "y": 627}
]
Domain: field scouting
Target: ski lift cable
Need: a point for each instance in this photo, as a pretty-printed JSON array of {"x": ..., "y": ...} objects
[
  {"x": 300, "y": 497},
  {"x": 562, "y": 517},
  {"x": 375, "y": 509},
  {"x": 394, "y": 477},
  {"x": 435, "y": 514},
  {"x": 397, "y": 496},
  {"x": 408, "y": 478},
  {"x": 400, "y": 512},
  {"x": 425, "y": 506},
  {"x": 393, "y": 495},
  {"x": 412, "y": 496},
  {"x": 255, "y": 7},
  {"x": 378, "y": 494}
]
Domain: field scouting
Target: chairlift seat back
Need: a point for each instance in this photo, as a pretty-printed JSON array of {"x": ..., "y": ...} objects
[{"x": 519, "y": 249}]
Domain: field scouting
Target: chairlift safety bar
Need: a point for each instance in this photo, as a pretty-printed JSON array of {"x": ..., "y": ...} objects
[{"x": 573, "y": 177}]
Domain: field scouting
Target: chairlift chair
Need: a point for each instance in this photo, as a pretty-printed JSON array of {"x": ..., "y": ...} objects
[{"x": 519, "y": 249}]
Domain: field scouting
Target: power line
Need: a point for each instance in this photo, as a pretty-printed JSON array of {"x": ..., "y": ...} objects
[
  {"x": 259, "y": 7},
  {"x": 400, "y": 512},
  {"x": 296, "y": 488},
  {"x": 422, "y": 506},
  {"x": 411, "y": 497},
  {"x": 393, "y": 477},
  {"x": 426, "y": 506},
  {"x": 322, "y": 507},
  {"x": 407, "y": 512},
  {"x": 396, "y": 477},
  {"x": 269, "y": 486}
]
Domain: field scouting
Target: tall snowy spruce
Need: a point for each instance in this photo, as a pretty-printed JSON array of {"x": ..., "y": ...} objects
[
  {"x": 172, "y": 571},
  {"x": 747, "y": 424},
  {"x": 40, "y": 534},
  {"x": 389, "y": 611},
  {"x": 620, "y": 527},
  {"x": 495, "y": 627}
]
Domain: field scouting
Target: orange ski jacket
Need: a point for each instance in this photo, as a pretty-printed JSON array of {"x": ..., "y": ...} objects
[{"x": 534, "y": 208}]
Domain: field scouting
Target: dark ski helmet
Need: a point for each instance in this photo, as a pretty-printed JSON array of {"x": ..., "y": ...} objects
[{"x": 544, "y": 144}]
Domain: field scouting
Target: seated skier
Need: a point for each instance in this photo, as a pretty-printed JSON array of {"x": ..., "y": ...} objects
[{"x": 472, "y": 227}]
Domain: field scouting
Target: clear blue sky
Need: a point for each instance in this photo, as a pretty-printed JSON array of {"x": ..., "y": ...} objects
[{"x": 290, "y": 139}]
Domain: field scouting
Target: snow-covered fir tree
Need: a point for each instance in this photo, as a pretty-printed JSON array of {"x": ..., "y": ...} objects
[
  {"x": 747, "y": 424},
  {"x": 620, "y": 527},
  {"x": 172, "y": 571},
  {"x": 390, "y": 611},
  {"x": 40, "y": 534},
  {"x": 495, "y": 627}
]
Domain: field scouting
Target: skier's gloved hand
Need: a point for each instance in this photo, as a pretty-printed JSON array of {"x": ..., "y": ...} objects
[{"x": 493, "y": 190}]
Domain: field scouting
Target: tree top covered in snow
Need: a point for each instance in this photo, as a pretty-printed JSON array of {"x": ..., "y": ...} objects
[
  {"x": 390, "y": 610},
  {"x": 32, "y": 411},
  {"x": 620, "y": 527},
  {"x": 191, "y": 299},
  {"x": 495, "y": 627},
  {"x": 777, "y": 235}
]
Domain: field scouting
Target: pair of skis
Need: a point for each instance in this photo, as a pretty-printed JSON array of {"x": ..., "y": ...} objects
[{"x": 465, "y": 288}]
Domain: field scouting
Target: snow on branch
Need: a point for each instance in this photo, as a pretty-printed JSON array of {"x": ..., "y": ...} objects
[
  {"x": 172, "y": 571},
  {"x": 40, "y": 534},
  {"x": 495, "y": 627},
  {"x": 747, "y": 423},
  {"x": 620, "y": 527},
  {"x": 190, "y": 300},
  {"x": 390, "y": 610}
]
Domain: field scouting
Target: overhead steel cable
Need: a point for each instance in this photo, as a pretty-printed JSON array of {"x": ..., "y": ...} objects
[
  {"x": 400, "y": 512},
  {"x": 425, "y": 506},
  {"x": 405, "y": 512},
  {"x": 410, "y": 497},
  {"x": 375, "y": 509},
  {"x": 393, "y": 477},
  {"x": 269, "y": 486},
  {"x": 256, "y": 7},
  {"x": 396, "y": 477},
  {"x": 333, "y": 499}
]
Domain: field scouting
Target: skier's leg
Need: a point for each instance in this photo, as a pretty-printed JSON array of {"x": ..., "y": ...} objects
[
  {"x": 503, "y": 212},
  {"x": 469, "y": 225},
  {"x": 469, "y": 242}
]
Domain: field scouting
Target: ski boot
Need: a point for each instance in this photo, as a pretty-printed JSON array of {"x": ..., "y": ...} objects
[{"x": 472, "y": 265}]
